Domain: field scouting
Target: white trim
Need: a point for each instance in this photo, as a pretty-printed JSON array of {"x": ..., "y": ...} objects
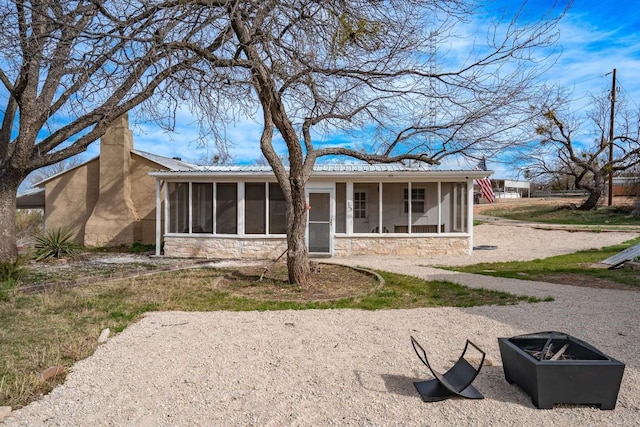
[
  {"x": 439, "y": 202},
  {"x": 470, "y": 213},
  {"x": 266, "y": 208},
  {"x": 215, "y": 209},
  {"x": 409, "y": 210},
  {"x": 349, "y": 202},
  {"x": 362, "y": 176},
  {"x": 167, "y": 206},
  {"x": 380, "y": 230},
  {"x": 158, "y": 217},
  {"x": 190, "y": 210},
  {"x": 240, "y": 195}
]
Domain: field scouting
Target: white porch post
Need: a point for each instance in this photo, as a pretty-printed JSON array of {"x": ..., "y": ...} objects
[
  {"x": 158, "y": 218},
  {"x": 349, "y": 218},
  {"x": 470, "y": 213},
  {"x": 439, "y": 222},
  {"x": 379, "y": 207},
  {"x": 240, "y": 219},
  {"x": 167, "y": 207},
  {"x": 190, "y": 222},
  {"x": 409, "y": 200}
]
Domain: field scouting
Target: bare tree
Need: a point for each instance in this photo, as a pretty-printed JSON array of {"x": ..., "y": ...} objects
[
  {"x": 309, "y": 68},
  {"x": 222, "y": 157},
  {"x": 564, "y": 151},
  {"x": 368, "y": 69},
  {"x": 68, "y": 69},
  {"x": 54, "y": 169}
]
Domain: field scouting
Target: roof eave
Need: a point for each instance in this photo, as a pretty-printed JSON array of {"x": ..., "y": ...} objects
[{"x": 324, "y": 174}]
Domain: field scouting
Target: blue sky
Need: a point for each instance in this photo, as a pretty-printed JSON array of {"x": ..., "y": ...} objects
[{"x": 595, "y": 37}]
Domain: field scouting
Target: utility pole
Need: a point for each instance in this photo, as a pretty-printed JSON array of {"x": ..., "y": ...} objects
[{"x": 611, "y": 123}]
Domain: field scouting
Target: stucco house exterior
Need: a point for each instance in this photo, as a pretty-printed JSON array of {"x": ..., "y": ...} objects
[
  {"x": 125, "y": 195},
  {"x": 108, "y": 200},
  {"x": 354, "y": 209}
]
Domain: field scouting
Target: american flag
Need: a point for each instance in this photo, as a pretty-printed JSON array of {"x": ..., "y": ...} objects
[{"x": 485, "y": 183}]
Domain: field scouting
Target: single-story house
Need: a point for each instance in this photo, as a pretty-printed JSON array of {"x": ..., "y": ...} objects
[
  {"x": 108, "y": 200},
  {"x": 126, "y": 195},
  {"x": 354, "y": 209}
]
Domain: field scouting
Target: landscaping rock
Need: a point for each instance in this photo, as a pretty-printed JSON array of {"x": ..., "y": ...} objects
[
  {"x": 104, "y": 336},
  {"x": 5, "y": 411},
  {"x": 51, "y": 372}
]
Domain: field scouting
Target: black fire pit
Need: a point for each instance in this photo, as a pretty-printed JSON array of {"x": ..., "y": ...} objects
[{"x": 554, "y": 367}]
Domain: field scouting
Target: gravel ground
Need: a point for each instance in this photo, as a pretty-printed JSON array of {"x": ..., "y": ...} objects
[{"x": 349, "y": 367}]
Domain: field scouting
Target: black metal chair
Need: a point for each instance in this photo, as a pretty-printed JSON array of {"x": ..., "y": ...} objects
[{"x": 455, "y": 382}]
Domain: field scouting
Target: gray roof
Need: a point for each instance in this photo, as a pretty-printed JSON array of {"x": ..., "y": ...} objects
[
  {"x": 334, "y": 170},
  {"x": 326, "y": 167},
  {"x": 32, "y": 198},
  {"x": 166, "y": 162},
  {"x": 173, "y": 164},
  {"x": 621, "y": 257}
]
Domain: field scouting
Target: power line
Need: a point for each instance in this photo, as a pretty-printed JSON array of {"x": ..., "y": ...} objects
[{"x": 628, "y": 95}]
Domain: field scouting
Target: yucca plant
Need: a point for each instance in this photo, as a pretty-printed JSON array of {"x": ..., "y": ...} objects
[{"x": 54, "y": 243}]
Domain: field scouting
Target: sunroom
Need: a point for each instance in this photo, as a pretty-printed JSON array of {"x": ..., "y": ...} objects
[{"x": 238, "y": 212}]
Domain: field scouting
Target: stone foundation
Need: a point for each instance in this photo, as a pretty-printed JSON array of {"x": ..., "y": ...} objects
[
  {"x": 401, "y": 246},
  {"x": 223, "y": 248},
  {"x": 265, "y": 248}
]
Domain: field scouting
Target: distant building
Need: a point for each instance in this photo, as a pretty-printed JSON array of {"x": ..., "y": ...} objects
[
  {"x": 626, "y": 186},
  {"x": 510, "y": 189}
]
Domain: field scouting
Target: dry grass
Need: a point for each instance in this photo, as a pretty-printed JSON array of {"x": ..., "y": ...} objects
[{"x": 59, "y": 324}]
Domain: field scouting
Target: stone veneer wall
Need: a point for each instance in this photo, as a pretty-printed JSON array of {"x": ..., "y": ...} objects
[
  {"x": 399, "y": 246},
  {"x": 262, "y": 248},
  {"x": 223, "y": 248}
]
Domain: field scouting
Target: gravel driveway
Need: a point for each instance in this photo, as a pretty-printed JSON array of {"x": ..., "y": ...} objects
[{"x": 348, "y": 367}]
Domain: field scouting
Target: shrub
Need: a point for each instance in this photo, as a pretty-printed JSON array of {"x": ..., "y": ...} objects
[
  {"x": 9, "y": 275},
  {"x": 28, "y": 222},
  {"x": 138, "y": 247},
  {"x": 54, "y": 244}
]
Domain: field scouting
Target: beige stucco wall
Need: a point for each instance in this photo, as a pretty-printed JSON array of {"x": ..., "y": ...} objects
[
  {"x": 71, "y": 197},
  {"x": 143, "y": 195},
  {"x": 114, "y": 220},
  {"x": 238, "y": 248}
]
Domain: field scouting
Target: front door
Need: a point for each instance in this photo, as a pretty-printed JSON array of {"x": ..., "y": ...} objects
[{"x": 319, "y": 235}]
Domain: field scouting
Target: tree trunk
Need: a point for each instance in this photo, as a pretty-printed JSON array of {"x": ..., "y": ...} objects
[
  {"x": 297, "y": 254},
  {"x": 8, "y": 191},
  {"x": 595, "y": 193}
]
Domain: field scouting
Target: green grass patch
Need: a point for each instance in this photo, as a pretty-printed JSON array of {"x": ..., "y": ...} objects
[
  {"x": 579, "y": 264},
  {"x": 603, "y": 215}
]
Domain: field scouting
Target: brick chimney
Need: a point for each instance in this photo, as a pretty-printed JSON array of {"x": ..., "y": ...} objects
[{"x": 114, "y": 220}]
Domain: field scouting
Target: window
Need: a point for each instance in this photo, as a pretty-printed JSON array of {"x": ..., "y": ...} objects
[
  {"x": 254, "y": 208},
  {"x": 178, "y": 207},
  {"x": 277, "y": 210},
  {"x": 417, "y": 200},
  {"x": 341, "y": 207},
  {"x": 202, "y": 209},
  {"x": 359, "y": 204},
  {"x": 226, "y": 208}
]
